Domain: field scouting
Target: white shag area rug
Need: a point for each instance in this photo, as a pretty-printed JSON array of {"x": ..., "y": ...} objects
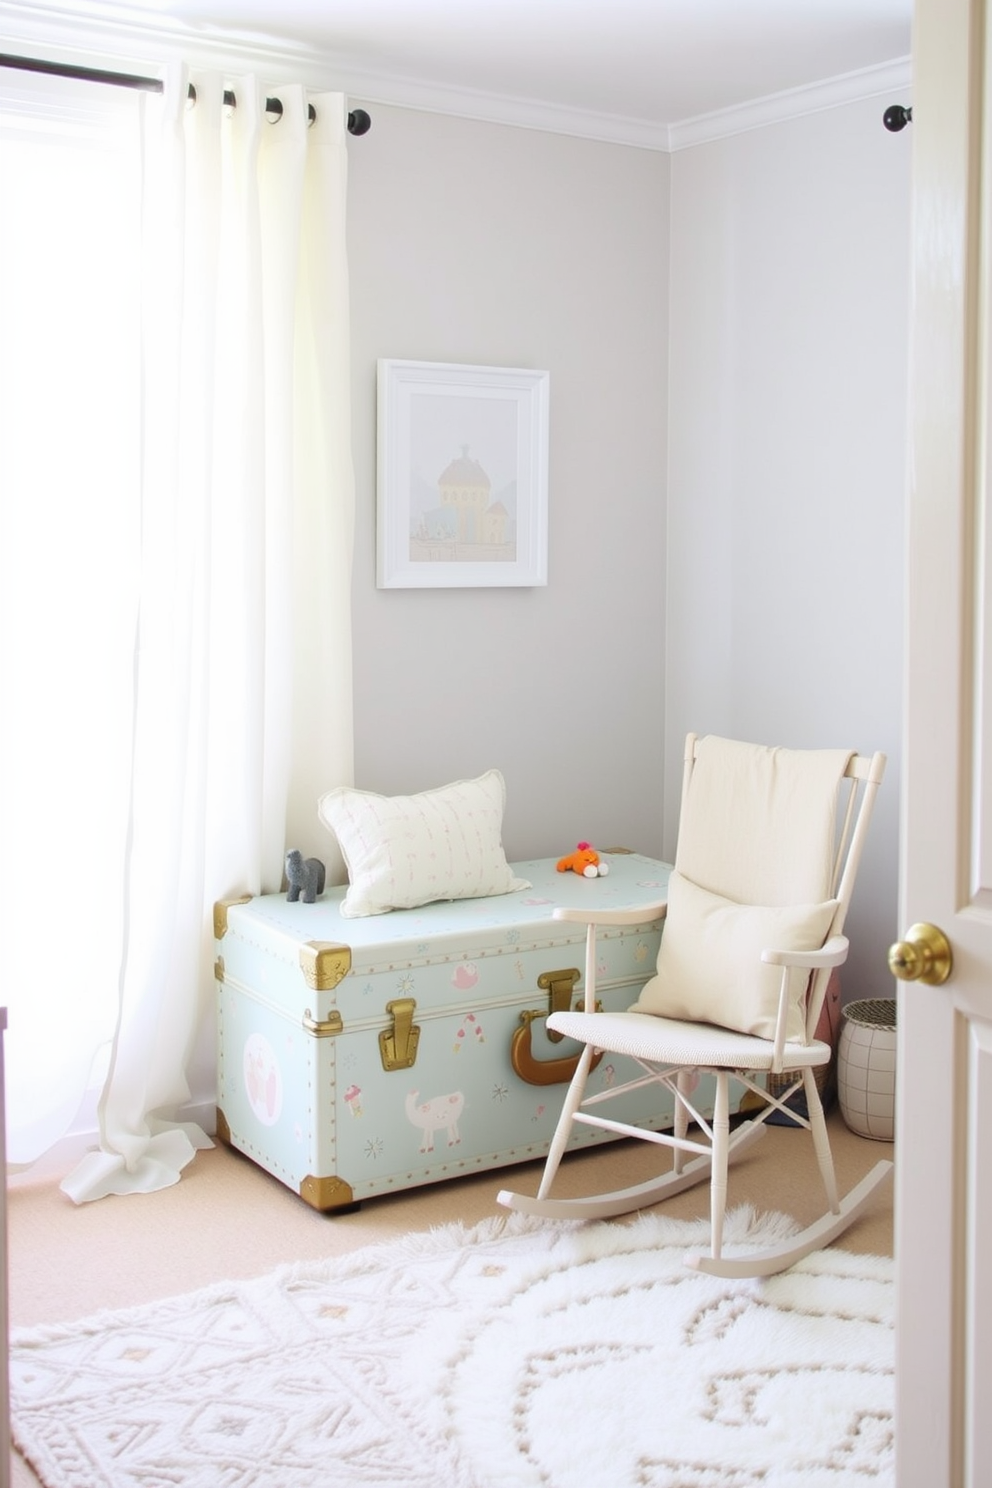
[{"x": 516, "y": 1353}]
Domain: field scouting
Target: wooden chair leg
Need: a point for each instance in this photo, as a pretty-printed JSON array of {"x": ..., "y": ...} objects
[
  {"x": 573, "y": 1099},
  {"x": 718, "y": 1177},
  {"x": 681, "y": 1125},
  {"x": 821, "y": 1141}
]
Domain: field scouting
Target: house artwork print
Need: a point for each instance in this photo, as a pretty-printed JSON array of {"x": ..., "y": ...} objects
[{"x": 463, "y": 479}]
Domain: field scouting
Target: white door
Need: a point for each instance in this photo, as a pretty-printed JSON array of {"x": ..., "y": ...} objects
[{"x": 944, "y": 1120}]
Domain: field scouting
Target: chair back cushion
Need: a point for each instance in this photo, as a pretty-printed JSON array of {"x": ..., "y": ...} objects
[
  {"x": 709, "y": 963},
  {"x": 758, "y": 824}
]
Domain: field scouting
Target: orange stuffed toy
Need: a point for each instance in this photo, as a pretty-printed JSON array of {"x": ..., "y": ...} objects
[{"x": 584, "y": 860}]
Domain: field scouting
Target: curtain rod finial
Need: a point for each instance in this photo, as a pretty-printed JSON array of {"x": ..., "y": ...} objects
[
  {"x": 359, "y": 122},
  {"x": 896, "y": 117}
]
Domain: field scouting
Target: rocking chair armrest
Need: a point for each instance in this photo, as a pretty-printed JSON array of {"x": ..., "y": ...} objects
[
  {"x": 832, "y": 953},
  {"x": 592, "y": 917},
  {"x": 642, "y": 915}
]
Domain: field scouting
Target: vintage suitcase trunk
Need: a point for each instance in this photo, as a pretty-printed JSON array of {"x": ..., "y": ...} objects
[{"x": 361, "y": 1056}]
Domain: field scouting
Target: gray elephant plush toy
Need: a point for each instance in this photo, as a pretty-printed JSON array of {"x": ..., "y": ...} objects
[{"x": 305, "y": 875}]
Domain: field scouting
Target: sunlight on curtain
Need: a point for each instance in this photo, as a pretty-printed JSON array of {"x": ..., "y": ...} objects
[
  {"x": 236, "y": 521},
  {"x": 70, "y": 183}
]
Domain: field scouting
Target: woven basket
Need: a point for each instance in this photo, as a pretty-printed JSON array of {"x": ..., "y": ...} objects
[
  {"x": 825, "y": 1076},
  {"x": 866, "y": 1068}
]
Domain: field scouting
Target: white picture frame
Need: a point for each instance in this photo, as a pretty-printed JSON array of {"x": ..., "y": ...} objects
[{"x": 462, "y": 476}]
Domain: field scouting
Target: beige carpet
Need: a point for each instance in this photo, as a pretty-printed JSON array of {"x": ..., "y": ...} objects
[{"x": 228, "y": 1220}]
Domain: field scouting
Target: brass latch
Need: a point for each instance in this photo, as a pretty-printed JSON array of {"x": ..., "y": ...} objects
[
  {"x": 559, "y": 986},
  {"x": 398, "y": 1045}
]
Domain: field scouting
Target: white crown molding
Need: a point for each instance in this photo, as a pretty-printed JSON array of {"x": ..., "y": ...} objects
[
  {"x": 491, "y": 108},
  {"x": 113, "y": 35},
  {"x": 869, "y": 82}
]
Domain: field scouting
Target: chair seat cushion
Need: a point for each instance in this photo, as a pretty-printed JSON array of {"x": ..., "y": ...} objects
[
  {"x": 674, "y": 1041},
  {"x": 709, "y": 962}
]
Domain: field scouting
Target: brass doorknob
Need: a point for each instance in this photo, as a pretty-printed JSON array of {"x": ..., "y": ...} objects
[{"x": 924, "y": 956}]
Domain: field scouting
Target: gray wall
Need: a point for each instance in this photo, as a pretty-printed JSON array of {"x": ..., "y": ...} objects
[
  {"x": 781, "y": 257},
  {"x": 787, "y": 481},
  {"x": 488, "y": 244}
]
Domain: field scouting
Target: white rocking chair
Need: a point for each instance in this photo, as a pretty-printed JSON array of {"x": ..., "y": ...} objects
[{"x": 768, "y": 849}]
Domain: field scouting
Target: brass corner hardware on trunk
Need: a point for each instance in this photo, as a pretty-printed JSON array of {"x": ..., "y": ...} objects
[
  {"x": 327, "y": 1193},
  {"x": 924, "y": 956},
  {"x": 398, "y": 1045},
  {"x": 559, "y": 986},
  {"x": 324, "y": 964},
  {"x": 323, "y": 1027},
  {"x": 220, "y": 914}
]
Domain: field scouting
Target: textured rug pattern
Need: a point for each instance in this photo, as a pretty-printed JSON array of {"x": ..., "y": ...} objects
[{"x": 514, "y": 1354}]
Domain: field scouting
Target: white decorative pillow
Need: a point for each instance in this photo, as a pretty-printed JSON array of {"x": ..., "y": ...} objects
[
  {"x": 709, "y": 963},
  {"x": 403, "y": 851}
]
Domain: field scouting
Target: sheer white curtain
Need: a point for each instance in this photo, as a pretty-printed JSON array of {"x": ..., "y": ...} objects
[{"x": 237, "y": 570}]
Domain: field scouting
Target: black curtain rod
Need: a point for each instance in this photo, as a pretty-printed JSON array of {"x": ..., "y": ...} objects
[{"x": 359, "y": 121}]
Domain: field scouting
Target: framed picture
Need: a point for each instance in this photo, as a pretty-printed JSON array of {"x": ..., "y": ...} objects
[{"x": 462, "y": 479}]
